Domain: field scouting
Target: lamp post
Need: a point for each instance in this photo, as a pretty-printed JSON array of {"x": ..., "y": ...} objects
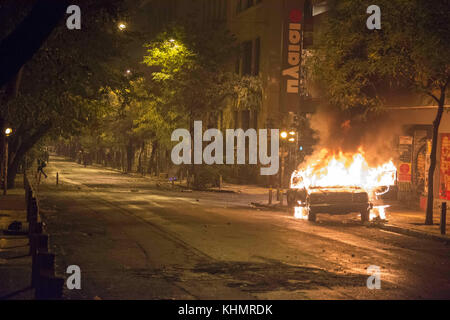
[
  {"x": 284, "y": 136},
  {"x": 8, "y": 132}
]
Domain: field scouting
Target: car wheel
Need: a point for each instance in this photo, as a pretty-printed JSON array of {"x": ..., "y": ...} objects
[
  {"x": 312, "y": 216},
  {"x": 365, "y": 214}
]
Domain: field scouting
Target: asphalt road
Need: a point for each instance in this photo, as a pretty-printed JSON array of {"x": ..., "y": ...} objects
[{"x": 134, "y": 238}]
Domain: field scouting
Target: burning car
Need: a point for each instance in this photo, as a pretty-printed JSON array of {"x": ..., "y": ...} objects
[
  {"x": 331, "y": 200},
  {"x": 339, "y": 184}
]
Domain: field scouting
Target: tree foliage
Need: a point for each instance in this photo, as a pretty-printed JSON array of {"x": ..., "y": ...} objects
[
  {"x": 62, "y": 85},
  {"x": 357, "y": 66},
  {"x": 193, "y": 71}
]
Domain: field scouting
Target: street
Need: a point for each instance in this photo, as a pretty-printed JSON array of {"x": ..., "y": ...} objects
[{"x": 137, "y": 238}]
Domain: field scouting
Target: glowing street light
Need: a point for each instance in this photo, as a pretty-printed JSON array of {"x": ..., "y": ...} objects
[
  {"x": 292, "y": 133},
  {"x": 122, "y": 26},
  {"x": 284, "y": 135},
  {"x": 8, "y": 132},
  {"x": 291, "y": 139}
]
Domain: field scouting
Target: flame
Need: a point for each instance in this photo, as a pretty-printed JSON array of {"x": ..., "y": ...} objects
[
  {"x": 378, "y": 212},
  {"x": 344, "y": 170},
  {"x": 300, "y": 212}
]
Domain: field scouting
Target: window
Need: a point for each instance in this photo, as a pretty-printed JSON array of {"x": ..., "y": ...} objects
[
  {"x": 236, "y": 119},
  {"x": 214, "y": 11},
  {"x": 256, "y": 56},
  {"x": 308, "y": 25},
  {"x": 242, "y": 5},
  {"x": 224, "y": 9},
  {"x": 255, "y": 119},
  {"x": 248, "y": 61},
  {"x": 238, "y": 6},
  {"x": 238, "y": 65},
  {"x": 247, "y": 58},
  {"x": 247, "y": 4},
  {"x": 245, "y": 116}
]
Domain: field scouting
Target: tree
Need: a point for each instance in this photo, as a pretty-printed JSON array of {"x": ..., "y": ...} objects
[
  {"x": 62, "y": 84},
  {"x": 193, "y": 75},
  {"x": 357, "y": 65},
  {"x": 27, "y": 38}
]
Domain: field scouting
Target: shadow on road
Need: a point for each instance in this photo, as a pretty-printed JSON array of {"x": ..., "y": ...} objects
[{"x": 274, "y": 275}]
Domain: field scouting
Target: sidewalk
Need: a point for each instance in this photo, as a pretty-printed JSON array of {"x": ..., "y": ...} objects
[
  {"x": 244, "y": 189},
  {"x": 15, "y": 261},
  {"x": 411, "y": 222}
]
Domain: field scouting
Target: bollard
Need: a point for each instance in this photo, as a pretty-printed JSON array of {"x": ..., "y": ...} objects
[
  {"x": 49, "y": 288},
  {"x": 28, "y": 203},
  {"x": 270, "y": 195},
  {"x": 32, "y": 211},
  {"x": 57, "y": 178},
  {"x": 281, "y": 197},
  {"x": 43, "y": 263},
  {"x": 278, "y": 194},
  {"x": 38, "y": 242},
  {"x": 443, "y": 218},
  {"x": 36, "y": 228},
  {"x": 26, "y": 197},
  {"x": 220, "y": 182}
]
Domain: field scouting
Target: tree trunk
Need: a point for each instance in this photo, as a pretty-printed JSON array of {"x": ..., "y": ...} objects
[
  {"x": 141, "y": 151},
  {"x": 25, "y": 146},
  {"x": 436, "y": 123},
  {"x": 130, "y": 157},
  {"x": 12, "y": 172},
  {"x": 152, "y": 166}
]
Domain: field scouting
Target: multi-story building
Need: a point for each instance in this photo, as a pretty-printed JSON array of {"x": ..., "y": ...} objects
[{"x": 262, "y": 29}]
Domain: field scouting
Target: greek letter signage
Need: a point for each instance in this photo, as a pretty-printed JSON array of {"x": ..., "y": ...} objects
[{"x": 292, "y": 49}]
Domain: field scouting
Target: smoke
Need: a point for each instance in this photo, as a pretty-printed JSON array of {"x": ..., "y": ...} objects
[{"x": 352, "y": 131}]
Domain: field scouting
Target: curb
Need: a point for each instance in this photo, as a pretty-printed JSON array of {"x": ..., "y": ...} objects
[
  {"x": 220, "y": 191},
  {"x": 266, "y": 207},
  {"x": 413, "y": 233}
]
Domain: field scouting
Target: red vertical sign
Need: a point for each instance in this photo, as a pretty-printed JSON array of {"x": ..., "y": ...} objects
[{"x": 292, "y": 52}]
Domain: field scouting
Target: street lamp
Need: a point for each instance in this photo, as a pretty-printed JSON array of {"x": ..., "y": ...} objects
[
  {"x": 173, "y": 43},
  {"x": 122, "y": 26},
  {"x": 8, "y": 132},
  {"x": 284, "y": 135}
]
